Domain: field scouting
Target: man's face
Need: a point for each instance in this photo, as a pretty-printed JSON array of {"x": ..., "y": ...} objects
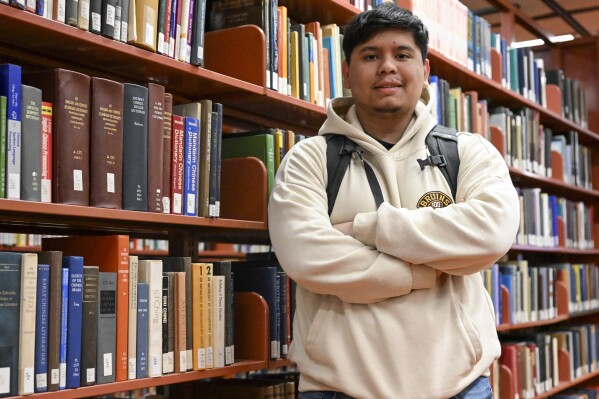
[{"x": 386, "y": 74}]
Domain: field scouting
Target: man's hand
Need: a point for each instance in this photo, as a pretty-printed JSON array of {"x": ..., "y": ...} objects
[{"x": 346, "y": 228}]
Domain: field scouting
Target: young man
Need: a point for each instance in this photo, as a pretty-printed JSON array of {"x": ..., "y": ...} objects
[{"x": 390, "y": 301}]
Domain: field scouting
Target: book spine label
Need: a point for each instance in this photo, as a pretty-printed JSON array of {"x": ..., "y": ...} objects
[
  {"x": 167, "y": 358},
  {"x": 191, "y": 166},
  {"x": 46, "y": 165}
]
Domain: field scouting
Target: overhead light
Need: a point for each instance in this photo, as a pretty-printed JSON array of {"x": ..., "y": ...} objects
[{"x": 540, "y": 42}]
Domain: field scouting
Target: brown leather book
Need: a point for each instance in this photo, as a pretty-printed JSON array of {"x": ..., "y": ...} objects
[
  {"x": 155, "y": 146},
  {"x": 166, "y": 153},
  {"x": 70, "y": 93},
  {"x": 110, "y": 254},
  {"x": 106, "y": 151}
]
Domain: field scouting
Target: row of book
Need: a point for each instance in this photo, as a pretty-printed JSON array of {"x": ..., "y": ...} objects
[
  {"x": 532, "y": 289},
  {"x": 583, "y": 392},
  {"x": 21, "y": 240},
  {"x": 550, "y": 221},
  {"x": 364, "y": 5},
  {"x": 170, "y": 27},
  {"x": 534, "y": 358},
  {"x": 107, "y": 144}
]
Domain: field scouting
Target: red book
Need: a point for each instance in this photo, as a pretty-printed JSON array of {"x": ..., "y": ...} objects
[
  {"x": 46, "y": 152},
  {"x": 177, "y": 165},
  {"x": 167, "y": 148},
  {"x": 111, "y": 254}
]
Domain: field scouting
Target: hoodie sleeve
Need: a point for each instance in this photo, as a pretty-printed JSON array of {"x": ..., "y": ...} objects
[
  {"x": 459, "y": 239},
  {"x": 317, "y": 256}
]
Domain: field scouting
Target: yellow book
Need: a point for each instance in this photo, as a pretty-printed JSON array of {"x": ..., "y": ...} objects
[
  {"x": 284, "y": 52},
  {"x": 206, "y": 271},
  {"x": 198, "y": 294},
  {"x": 459, "y": 107},
  {"x": 143, "y": 32},
  {"x": 295, "y": 80},
  {"x": 278, "y": 148}
]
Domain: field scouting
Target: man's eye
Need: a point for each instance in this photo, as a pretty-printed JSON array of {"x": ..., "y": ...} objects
[
  {"x": 370, "y": 57},
  {"x": 403, "y": 56}
]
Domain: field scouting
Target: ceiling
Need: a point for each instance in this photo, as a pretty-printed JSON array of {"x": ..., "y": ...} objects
[{"x": 551, "y": 15}]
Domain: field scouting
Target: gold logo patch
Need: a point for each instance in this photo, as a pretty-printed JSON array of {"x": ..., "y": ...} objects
[{"x": 434, "y": 199}]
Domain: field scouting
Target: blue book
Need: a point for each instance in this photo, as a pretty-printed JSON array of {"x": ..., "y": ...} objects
[
  {"x": 10, "y": 87},
  {"x": 328, "y": 43},
  {"x": 434, "y": 83},
  {"x": 142, "y": 330},
  {"x": 41, "y": 328},
  {"x": 75, "y": 266},
  {"x": 506, "y": 278},
  {"x": 192, "y": 161},
  {"x": 64, "y": 314}
]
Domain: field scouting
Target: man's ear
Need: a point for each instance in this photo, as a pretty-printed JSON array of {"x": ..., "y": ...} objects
[
  {"x": 427, "y": 72},
  {"x": 345, "y": 70}
]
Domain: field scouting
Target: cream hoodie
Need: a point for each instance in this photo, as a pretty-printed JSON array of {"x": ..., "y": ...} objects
[{"x": 372, "y": 320}]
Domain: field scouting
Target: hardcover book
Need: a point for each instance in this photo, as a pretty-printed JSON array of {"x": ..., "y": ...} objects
[
  {"x": 69, "y": 92},
  {"x": 10, "y": 303},
  {"x": 135, "y": 148},
  {"x": 10, "y": 87},
  {"x": 106, "y": 150},
  {"x": 107, "y": 327},
  {"x": 2, "y": 146},
  {"x": 155, "y": 146},
  {"x": 27, "y": 324},
  {"x": 41, "y": 328},
  {"x": 142, "y": 330},
  {"x": 132, "y": 330},
  {"x": 89, "y": 322},
  {"x": 46, "y": 164},
  {"x": 75, "y": 313},
  {"x": 150, "y": 272},
  {"x": 166, "y": 153},
  {"x": 177, "y": 164},
  {"x": 31, "y": 143}
]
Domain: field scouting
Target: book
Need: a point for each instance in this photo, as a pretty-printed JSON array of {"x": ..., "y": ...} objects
[
  {"x": 41, "y": 328},
  {"x": 135, "y": 148},
  {"x": 167, "y": 153},
  {"x": 215, "y": 161},
  {"x": 31, "y": 143},
  {"x": 132, "y": 326},
  {"x": 150, "y": 272},
  {"x": 144, "y": 28},
  {"x": 74, "y": 318},
  {"x": 260, "y": 146},
  {"x": 3, "y": 146},
  {"x": 111, "y": 254},
  {"x": 141, "y": 370},
  {"x": 106, "y": 151},
  {"x": 190, "y": 176},
  {"x": 199, "y": 314},
  {"x": 64, "y": 313},
  {"x": 218, "y": 320},
  {"x": 69, "y": 92},
  {"x": 223, "y": 268},
  {"x": 180, "y": 321},
  {"x": 155, "y": 146},
  {"x": 197, "y": 36},
  {"x": 54, "y": 260},
  {"x": 10, "y": 283},
  {"x": 27, "y": 324},
  {"x": 107, "y": 327},
  {"x": 177, "y": 164},
  {"x": 46, "y": 163},
  {"x": 168, "y": 364},
  {"x": 89, "y": 325},
  {"x": 10, "y": 87},
  {"x": 108, "y": 18},
  {"x": 95, "y": 12}
]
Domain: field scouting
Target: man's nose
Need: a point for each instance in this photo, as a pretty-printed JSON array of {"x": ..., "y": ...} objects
[{"x": 388, "y": 65}]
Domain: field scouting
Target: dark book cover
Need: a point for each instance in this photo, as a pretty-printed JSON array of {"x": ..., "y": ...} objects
[
  {"x": 160, "y": 47},
  {"x": 10, "y": 87},
  {"x": 54, "y": 260},
  {"x": 135, "y": 148},
  {"x": 106, "y": 152},
  {"x": 166, "y": 153},
  {"x": 10, "y": 284},
  {"x": 117, "y": 20},
  {"x": 167, "y": 354},
  {"x": 197, "y": 36},
  {"x": 211, "y": 177},
  {"x": 71, "y": 12},
  {"x": 215, "y": 160},
  {"x": 105, "y": 362},
  {"x": 155, "y": 146},
  {"x": 108, "y": 18},
  {"x": 69, "y": 92},
  {"x": 301, "y": 51},
  {"x": 41, "y": 328},
  {"x": 31, "y": 143},
  {"x": 64, "y": 319},
  {"x": 74, "y": 318},
  {"x": 142, "y": 330},
  {"x": 89, "y": 331},
  {"x": 95, "y": 12},
  {"x": 223, "y": 268},
  {"x": 124, "y": 20}
]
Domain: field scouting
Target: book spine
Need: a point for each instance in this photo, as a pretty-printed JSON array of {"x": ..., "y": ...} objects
[
  {"x": 167, "y": 358},
  {"x": 167, "y": 146},
  {"x": 46, "y": 163},
  {"x": 31, "y": 143},
  {"x": 72, "y": 10},
  {"x": 117, "y": 20},
  {"x": 27, "y": 324},
  {"x": 135, "y": 148},
  {"x": 106, "y": 152},
  {"x": 95, "y": 11},
  {"x": 75, "y": 266},
  {"x": 155, "y": 146},
  {"x": 122, "y": 314},
  {"x": 142, "y": 330},
  {"x": 89, "y": 323},
  {"x": 108, "y": 18},
  {"x": 64, "y": 312},
  {"x": 205, "y": 153},
  {"x": 59, "y": 10},
  {"x": 132, "y": 330},
  {"x": 215, "y": 161},
  {"x": 124, "y": 20},
  {"x": 218, "y": 317},
  {"x": 177, "y": 164},
  {"x": 191, "y": 166},
  {"x": 161, "y": 24},
  {"x": 155, "y": 320},
  {"x": 197, "y": 37},
  {"x": 167, "y": 26},
  {"x": 189, "y": 31},
  {"x": 83, "y": 14},
  {"x": 54, "y": 259},
  {"x": 2, "y": 146},
  {"x": 107, "y": 302},
  {"x": 182, "y": 25},
  {"x": 10, "y": 87},
  {"x": 212, "y": 172},
  {"x": 10, "y": 269},
  {"x": 180, "y": 306},
  {"x": 208, "y": 318},
  {"x": 189, "y": 326},
  {"x": 41, "y": 328},
  {"x": 173, "y": 28},
  {"x": 197, "y": 314}
]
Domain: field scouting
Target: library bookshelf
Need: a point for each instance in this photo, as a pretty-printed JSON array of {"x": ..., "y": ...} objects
[{"x": 28, "y": 39}]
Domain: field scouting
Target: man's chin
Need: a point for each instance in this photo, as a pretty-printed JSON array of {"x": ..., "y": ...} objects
[{"x": 387, "y": 109}]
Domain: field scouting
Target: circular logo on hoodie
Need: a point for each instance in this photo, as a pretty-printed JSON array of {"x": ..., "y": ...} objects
[{"x": 434, "y": 199}]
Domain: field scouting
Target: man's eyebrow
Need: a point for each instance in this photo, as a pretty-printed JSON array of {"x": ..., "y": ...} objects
[{"x": 401, "y": 47}]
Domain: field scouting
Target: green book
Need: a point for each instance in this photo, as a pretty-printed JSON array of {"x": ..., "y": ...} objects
[
  {"x": 261, "y": 146},
  {"x": 514, "y": 78},
  {"x": 2, "y": 147}
]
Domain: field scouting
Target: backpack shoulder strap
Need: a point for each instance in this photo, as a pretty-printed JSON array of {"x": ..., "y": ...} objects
[
  {"x": 339, "y": 155},
  {"x": 442, "y": 143}
]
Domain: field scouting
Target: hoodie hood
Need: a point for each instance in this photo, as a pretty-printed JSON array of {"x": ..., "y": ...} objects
[{"x": 343, "y": 119}]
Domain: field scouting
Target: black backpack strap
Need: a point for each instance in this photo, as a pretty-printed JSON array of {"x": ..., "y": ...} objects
[
  {"x": 442, "y": 143},
  {"x": 339, "y": 155}
]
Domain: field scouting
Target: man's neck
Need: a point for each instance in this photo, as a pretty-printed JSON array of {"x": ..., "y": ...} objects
[{"x": 388, "y": 128}]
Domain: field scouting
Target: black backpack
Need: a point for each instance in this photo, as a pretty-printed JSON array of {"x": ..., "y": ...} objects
[{"x": 442, "y": 144}]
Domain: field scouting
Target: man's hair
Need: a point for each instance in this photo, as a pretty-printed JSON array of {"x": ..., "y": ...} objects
[{"x": 386, "y": 16}]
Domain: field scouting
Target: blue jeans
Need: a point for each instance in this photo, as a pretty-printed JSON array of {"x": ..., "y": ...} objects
[{"x": 479, "y": 389}]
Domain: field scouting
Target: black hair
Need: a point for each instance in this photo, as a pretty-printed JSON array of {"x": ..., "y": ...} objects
[{"x": 385, "y": 16}]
